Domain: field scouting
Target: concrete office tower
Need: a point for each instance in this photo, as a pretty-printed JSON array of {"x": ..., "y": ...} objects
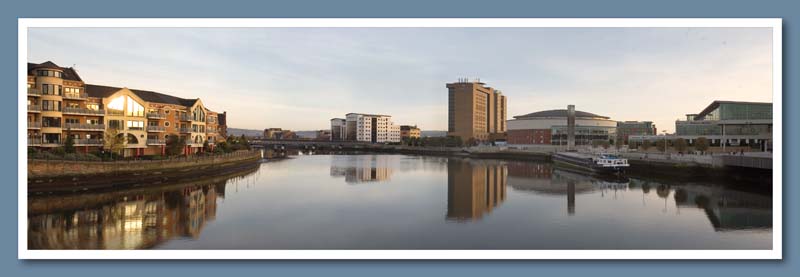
[
  {"x": 373, "y": 128},
  {"x": 338, "y": 129},
  {"x": 475, "y": 111},
  {"x": 571, "y": 127}
]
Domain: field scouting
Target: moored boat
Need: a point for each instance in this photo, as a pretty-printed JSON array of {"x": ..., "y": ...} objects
[{"x": 595, "y": 163}]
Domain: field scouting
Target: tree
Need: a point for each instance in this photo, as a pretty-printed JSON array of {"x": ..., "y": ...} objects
[
  {"x": 69, "y": 144},
  {"x": 680, "y": 144},
  {"x": 175, "y": 145},
  {"x": 661, "y": 145},
  {"x": 646, "y": 145},
  {"x": 206, "y": 146},
  {"x": 244, "y": 143},
  {"x": 113, "y": 141},
  {"x": 701, "y": 144}
]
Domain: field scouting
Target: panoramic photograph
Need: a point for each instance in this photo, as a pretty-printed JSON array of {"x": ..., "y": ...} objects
[{"x": 386, "y": 138}]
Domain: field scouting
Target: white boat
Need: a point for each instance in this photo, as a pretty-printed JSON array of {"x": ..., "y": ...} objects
[{"x": 596, "y": 163}]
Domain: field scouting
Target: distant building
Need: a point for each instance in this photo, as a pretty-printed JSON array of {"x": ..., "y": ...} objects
[
  {"x": 338, "y": 129},
  {"x": 726, "y": 124},
  {"x": 323, "y": 135},
  {"x": 550, "y": 127},
  {"x": 635, "y": 128},
  {"x": 278, "y": 133},
  {"x": 475, "y": 111},
  {"x": 408, "y": 131},
  {"x": 373, "y": 128}
]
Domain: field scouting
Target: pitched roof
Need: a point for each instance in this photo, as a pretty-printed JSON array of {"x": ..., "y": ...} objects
[
  {"x": 69, "y": 72},
  {"x": 146, "y": 95},
  {"x": 559, "y": 113}
]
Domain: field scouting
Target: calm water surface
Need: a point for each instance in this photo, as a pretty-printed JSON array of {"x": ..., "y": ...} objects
[{"x": 406, "y": 202}]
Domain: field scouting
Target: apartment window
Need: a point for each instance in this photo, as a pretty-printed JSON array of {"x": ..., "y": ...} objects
[
  {"x": 51, "y": 138},
  {"x": 166, "y": 111},
  {"x": 134, "y": 108},
  {"x": 72, "y": 105},
  {"x": 50, "y": 105},
  {"x": 50, "y": 73},
  {"x": 135, "y": 125},
  {"x": 51, "y": 122},
  {"x": 74, "y": 92},
  {"x": 152, "y": 123},
  {"x": 94, "y": 107},
  {"x": 115, "y": 124},
  {"x": 93, "y": 121},
  {"x": 71, "y": 120},
  {"x": 166, "y": 123},
  {"x": 49, "y": 89}
]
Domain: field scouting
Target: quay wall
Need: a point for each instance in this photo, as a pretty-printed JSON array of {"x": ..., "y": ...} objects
[{"x": 38, "y": 169}]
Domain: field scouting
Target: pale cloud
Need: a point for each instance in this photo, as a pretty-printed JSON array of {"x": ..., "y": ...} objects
[{"x": 299, "y": 78}]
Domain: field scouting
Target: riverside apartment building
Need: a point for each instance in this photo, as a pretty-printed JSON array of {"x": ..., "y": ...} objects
[{"x": 61, "y": 104}]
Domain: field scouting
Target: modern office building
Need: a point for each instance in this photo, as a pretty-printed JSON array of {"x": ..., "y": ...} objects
[
  {"x": 475, "y": 111},
  {"x": 550, "y": 128},
  {"x": 373, "y": 128},
  {"x": 338, "y": 129},
  {"x": 60, "y": 104},
  {"x": 408, "y": 131},
  {"x": 743, "y": 125},
  {"x": 626, "y": 129}
]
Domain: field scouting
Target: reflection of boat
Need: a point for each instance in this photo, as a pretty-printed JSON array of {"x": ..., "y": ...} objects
[{"x": 600, "y": 163}]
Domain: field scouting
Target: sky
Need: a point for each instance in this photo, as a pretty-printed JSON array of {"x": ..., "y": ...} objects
[{"x": 300, "y": 78}]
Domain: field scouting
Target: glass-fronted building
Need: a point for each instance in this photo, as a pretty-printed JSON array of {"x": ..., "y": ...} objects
[{"x": 727, "y": 124}]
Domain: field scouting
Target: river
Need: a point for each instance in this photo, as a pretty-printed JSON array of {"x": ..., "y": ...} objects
[{"x": 407, "y": 202}]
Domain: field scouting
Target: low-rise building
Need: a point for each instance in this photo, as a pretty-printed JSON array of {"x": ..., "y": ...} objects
[
  {"x": 743, "y": 125},
  {"x": 278, "y": 133},
  {"x": 408, "y": 131},
  {"x": 61, "y": 104},
  {"x": 550, "y": 128},
  {"x": 323, "y": 135},
  {"x": 626, "y": 129}
]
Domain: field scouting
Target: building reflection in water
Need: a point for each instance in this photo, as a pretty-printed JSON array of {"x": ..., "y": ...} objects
[
  {"x": 474, "y": 188},
  {"x": 727, "y": 210},
  {"x": 362, "y": 168},
  {"x": 120, "y": 220}
]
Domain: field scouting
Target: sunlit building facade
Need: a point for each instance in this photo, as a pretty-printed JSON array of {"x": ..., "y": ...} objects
[
  {"x": 60, "y": 104},
  {"x": 475, "y": 111},
  {"x": 550, "y": 128},
  {"x": 375, "y": 128}
]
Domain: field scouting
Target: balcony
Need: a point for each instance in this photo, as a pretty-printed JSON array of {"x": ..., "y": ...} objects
[
  {"x": 84, "y": 127},
  {"x": 115, "y": 112},
  {"x": 83, "y": 111},
  {"x": 88, "y": 142},
  {"x": 156, "y": 115},
  {"x": 185, "y": 117},
  {"x": 34, "y": 125},
  {"x": 156, "y": 142},
  {"x": 156, "y": 129},
  {"x": 34, "y": 92},
  {"x": 35, "y": 141},
  {"x": 35, "y": 108},
  {"x": 185, "y": 130},
  {"x": 77, "y": 96},
  {"x": 51, "y": 143}
]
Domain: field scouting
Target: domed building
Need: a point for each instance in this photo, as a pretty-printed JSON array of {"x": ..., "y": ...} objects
[{"x": 550, "y": 128}]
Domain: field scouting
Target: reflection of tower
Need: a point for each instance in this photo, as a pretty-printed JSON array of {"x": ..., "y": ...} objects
[
  {"x": 474, "y": 189},
  {"x": 571, "y": 197}
]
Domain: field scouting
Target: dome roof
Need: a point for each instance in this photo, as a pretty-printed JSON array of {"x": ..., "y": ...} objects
[{"x": 559, "y": 113}]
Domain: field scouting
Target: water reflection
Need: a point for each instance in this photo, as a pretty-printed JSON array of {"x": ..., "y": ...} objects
[
  {"x": 306, "y": 203},
  {"x": 124, "y": 220},
  {"x": 474, "y": 188},
  {"x": 362, "y": 168}
]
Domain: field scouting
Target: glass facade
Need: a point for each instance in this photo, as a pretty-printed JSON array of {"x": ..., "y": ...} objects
[{"x": 584, "y": 135}]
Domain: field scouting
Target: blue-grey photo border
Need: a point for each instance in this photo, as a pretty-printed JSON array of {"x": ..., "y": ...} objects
[{"x": 788, "y": 10}]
